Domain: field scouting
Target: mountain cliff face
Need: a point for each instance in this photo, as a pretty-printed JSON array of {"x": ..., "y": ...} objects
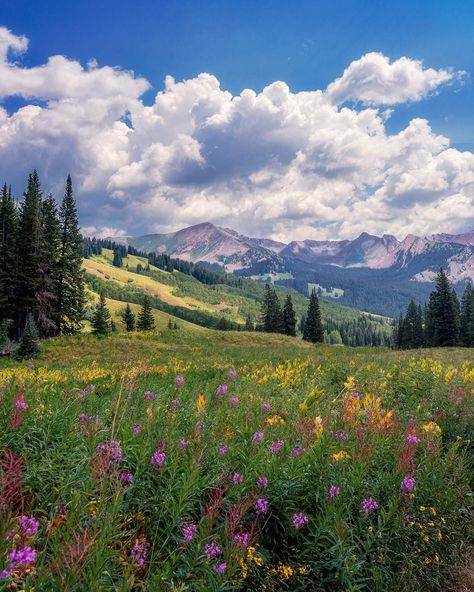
[{"x": 419, "y": 258}]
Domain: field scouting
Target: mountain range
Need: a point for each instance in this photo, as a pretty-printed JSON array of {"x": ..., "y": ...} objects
[{"x": 342, "y": 269}]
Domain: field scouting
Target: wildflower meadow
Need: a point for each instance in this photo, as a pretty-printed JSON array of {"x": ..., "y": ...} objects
[{"x": 234, "y": 462}]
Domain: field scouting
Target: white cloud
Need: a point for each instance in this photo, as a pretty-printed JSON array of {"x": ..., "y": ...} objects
[
  {"x": 291, "y": 165},
  {"x": 374, "y": 80}
]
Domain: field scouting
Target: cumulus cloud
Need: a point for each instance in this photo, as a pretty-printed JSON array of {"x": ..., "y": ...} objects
[
  {"x": 374, "y": 80},
  {"x": 274, "y": 163}
]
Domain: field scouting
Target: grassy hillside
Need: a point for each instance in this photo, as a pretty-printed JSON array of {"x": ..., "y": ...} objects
[
  {"x": 315, "y": 468},
  {"x": 183, "y": 295}
]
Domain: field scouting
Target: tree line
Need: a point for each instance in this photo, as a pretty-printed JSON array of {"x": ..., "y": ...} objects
[
  {"x": 442, "y": 322},
  {"x": 41, "y": 280},
  {"x": 278, "y": 319}
]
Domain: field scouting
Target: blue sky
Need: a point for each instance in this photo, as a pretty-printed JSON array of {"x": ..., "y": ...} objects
[
  {"x": 244, "y": 44},
  {"x": 253, "y": 43}
]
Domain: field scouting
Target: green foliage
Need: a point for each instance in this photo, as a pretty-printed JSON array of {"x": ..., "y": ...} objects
[
  {"x": 101, "y": 324},
  {"x": 28, "y": 346},
  {"x": 128, "y": 318},
  {"x": 146, "y": 321},
  {"x": 271, "y": 315},
  {"x": 73, "y": 492},
  {"x": 313, "y": 328},
  {"x": 289, "y": 317}
]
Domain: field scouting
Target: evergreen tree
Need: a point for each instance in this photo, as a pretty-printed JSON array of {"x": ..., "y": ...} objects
[
  {"x": 170, "y": 324},
  {"x": 4, "y": 340},
  {"x": 8, "y": 239},
  {"x": 467, "y": 313},
  {"x": 313, "y": 328},
  {"x": 272, "y": 315},
  {"x": 70, "y": 283},
  {"x": 101, "y": 324},
  {"x": 117, "y": 262},
  {"x": 249, "y": 323},
  {"x": 289, "y": 317},
  {"x": 28, "y": 251},
  {"x": 28, "y": 346},
  {"x": 146, "y": 322},
  {"x": 443, "y": 314},
  {"x": 48, "y": 268},
  {"x": 128, "y": 318}
]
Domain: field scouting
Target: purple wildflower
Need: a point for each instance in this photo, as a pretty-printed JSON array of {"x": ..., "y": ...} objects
[
  {"x": 199, "y": 426},
  {"x": 261, "y": 505},
  {"x": 149, "y": 395},
  {"x": 369, "y": 505},
  {"x": 412, "y": 439},
  {"x": 179, "y": 380},
  {"x": 277, "y": 445},
  {"x": 84, "y": 418},
  {"x": 234, "y": 401},
  {"x": 221, "y": 390},
  {"x": 126, "y": 478},
  {"x": 242, "y": 539},
  {"x": 21, "y": 404},
  {"x": 333, "y": 491},
  {"x": 212, "y": 550},
  {"x": 111, "y": 452},
  {"x": 266, "y": 406},
  {"x": 183, "y": 444},
  {"x": 223, "y": 449},
  {"x": 237, "y": 479},
  {"x": 19, "y": 559},
  {"x": 28, "y": 525},
  {"x": 232, "y": 374},
  {"x": 406, "y": 520},
  {"x": 189, "y": 531},
  {"x": 257, "y": 438},
  {"x": 158, "y": 460},
  {"x": 407, "y": 485},
  {"x": 137, "y": 429},
  {"x": 174, "y": 405},
  {"x": 140, "y": 551},
  {"x": 300, "y": 519},
  {"x": 262, "y": 482},
  {"x": 297, "y": 451},
  {"x": 220, "y": 568}
]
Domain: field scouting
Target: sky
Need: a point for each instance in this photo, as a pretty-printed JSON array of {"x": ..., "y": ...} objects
[{"x": 306, "y": 119}]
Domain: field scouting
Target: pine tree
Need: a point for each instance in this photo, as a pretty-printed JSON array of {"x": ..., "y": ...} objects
[
  {"x": 272, "y": 315},
  {"x": 48, "y": 268},
  {"x": 70, "y": 284},
  {"x": 249, "y": 326},
  {"x": 313, "y": 329},
  {"x": 28, "y": 346},
  {"x": 8, "y": 239},
  {"x": 117, "y": 262},
  {"x": 289, "y": 317},
  {"x": 146, "y": 322},
  {"x": 101, "y": 324},
  {"x": 4, "y": 340},
  {"x": 467, "y": 313},
  {"x": 443, "y": 314},
  {"x": 128, "y": 318},
  {"x": 28, "y": 251}
]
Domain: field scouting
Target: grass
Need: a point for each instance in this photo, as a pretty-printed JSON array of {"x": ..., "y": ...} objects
[{"x": 203, "y": 483}]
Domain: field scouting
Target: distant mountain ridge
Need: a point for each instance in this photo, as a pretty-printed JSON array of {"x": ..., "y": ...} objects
[{"x": 417, "y": 257}]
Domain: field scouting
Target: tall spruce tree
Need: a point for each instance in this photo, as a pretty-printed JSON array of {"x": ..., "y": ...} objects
[
  {"x": 146, "y": 321},
  {"x": 443, "y": 314},
  {"x": 101, "y": 323},
  {"x": 28, "y": 252},
  {"x": 467, "y": 313},
  {"x": 28, "y": 346},
  {"x": 128, "y": 318},
  {"x": 70, "y": 282},
  {"x": 249, "y": 326},
  {"x": 8, "y": 240},
  {"x": 289, "y": 317},
  {"x": 272, "y": 315},
  {"x": 46, "y": 296},
  {"x": 313, "y": 328},
  {"x": 117, "y": 261}
]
